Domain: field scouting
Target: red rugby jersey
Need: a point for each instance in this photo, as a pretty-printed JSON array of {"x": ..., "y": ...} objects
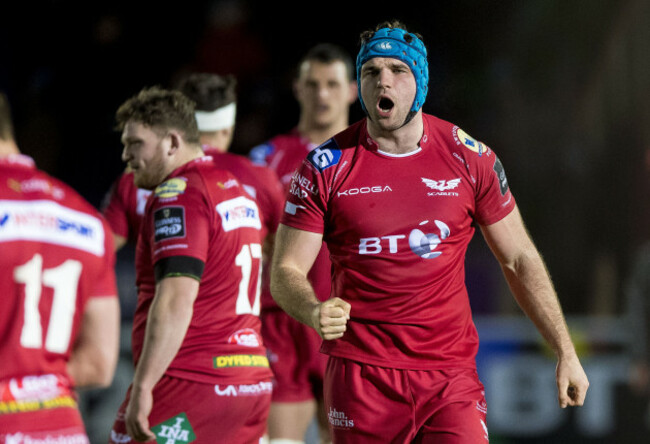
[
  {"x": 57, "y": 253},
  {"x": 203, "y": 212},
  {"x": 124, "y": 205},
  {"x": 398, "y": 228}
]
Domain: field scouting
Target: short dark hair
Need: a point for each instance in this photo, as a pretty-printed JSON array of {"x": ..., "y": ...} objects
[
  {"x": 159, "y": 108},
  {"x": 6, "y": 124},
  {"x": 365, "y": 36},
  {"x": 329, "y": 53},
  {"x": 209, "y": 91}
]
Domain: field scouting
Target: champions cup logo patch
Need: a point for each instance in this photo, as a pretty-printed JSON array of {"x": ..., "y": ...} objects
[
  {"x": 325, "y": 156},
  {"x": 461, "y": 137},
  {"x": 239, "y": 212},
  {"x": 169, "y": 223},
  {"x": 170, "y": 188}
]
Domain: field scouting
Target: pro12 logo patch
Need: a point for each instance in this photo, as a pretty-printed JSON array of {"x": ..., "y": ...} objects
[
  {"x": 169, "y": 223},
  {"x": 501, "y": 175}
]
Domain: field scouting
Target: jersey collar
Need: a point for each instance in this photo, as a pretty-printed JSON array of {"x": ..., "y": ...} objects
[{"x": 19, "y": 160}]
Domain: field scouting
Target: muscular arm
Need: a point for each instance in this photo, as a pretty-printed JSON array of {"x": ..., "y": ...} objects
[
  {"x": 94, "y": 356},
  {"x": 167, "y": 323},
  {"x": 294, "y": 254},
  {"x": 531, "y": 285}
]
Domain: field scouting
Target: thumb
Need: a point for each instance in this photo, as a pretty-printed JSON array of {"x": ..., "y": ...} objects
[{"x": 563, "y": 393}]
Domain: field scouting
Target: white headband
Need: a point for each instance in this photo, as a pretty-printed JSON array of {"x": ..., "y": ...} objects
[{"x": 218, "y": 119}]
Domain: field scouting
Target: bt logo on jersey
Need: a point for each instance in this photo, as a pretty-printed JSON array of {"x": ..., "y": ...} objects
[{"x": 421, "y": 243}]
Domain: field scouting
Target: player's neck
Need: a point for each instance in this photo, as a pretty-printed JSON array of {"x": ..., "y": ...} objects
[
  {"x": 8, "y": 147},
  {"x": 398, "y": 141},
  {"x": 189, "y": 154}
]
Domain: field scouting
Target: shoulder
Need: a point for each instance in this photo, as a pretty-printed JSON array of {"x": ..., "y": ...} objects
[
  {"x": 261, "y": 153},
  {"x": 67, "y": 196},
  {"x": 454, "y": 139}
]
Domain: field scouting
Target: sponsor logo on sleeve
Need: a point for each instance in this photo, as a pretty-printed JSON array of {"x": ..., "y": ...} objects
[
  {"x": 325, "y": 156},
  {"x": 259, "y": 153},
  {"x": 501, "y": 175},
  {"x": 302, "y": 186},
  {"x": 239, "y": 212},
  {"x": 175, "y": 430},
  {"x": 169, "y": 223}
]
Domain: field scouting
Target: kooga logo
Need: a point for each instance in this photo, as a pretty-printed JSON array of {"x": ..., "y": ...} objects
[{"x": 364, "y": 190}]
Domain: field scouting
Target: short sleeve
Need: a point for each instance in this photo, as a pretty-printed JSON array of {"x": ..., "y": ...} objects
[
  {"x": 306, "y": 202},
  {"x": 104, "y": 283},
  {"x": 494, "y": 199},
  {"x": 180, "y": 223},
  {"x": 114, "y": 209}
]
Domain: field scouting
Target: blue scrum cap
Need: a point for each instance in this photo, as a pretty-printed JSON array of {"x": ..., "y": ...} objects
[{"x": 394, "y": 43}]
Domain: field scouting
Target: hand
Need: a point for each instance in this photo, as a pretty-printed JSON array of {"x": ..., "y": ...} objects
[
  {"x": 330, "y": 318},
  {"x": 572, "y": 382},
  {"x": 137, "y": 415}
]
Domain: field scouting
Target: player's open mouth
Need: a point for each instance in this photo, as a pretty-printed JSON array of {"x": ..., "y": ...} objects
[{"x": 385, "y": 105}]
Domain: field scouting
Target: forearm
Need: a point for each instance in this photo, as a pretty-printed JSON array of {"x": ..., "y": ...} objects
[
  {"x": 167, "y": 324},
  {"x": 94, "y": 356},
  {"x": 533, "y": 290},
  {"x": 293, "y": 292},
  {"x": 90, "y": 367}
]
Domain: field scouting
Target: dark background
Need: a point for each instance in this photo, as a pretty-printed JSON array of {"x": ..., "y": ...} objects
[{"x": 559, "y": 89}]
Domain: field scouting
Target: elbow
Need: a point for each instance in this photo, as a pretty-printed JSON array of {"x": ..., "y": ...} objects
[
  {"x": 103, "y": 371},
  {"x": 93, "y": 370},
  {"x": 104, "y": 379}
]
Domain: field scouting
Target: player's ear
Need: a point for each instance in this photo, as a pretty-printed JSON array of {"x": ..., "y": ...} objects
[
  {"x": 352, "y": 92},
  {"x": 175, "y": 141}
]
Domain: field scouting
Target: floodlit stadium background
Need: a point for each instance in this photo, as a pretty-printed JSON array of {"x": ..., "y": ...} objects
[{"x": 560, "y": 89}]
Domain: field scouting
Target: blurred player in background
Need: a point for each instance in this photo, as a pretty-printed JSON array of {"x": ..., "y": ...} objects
[
  {"x": 397, "y": 196},
  {"x": 216, "y": 110},
  {"x": 60, "y": 312},
  {"x": 325, "y": 89},
  {"x": 201, "y": 372}
]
